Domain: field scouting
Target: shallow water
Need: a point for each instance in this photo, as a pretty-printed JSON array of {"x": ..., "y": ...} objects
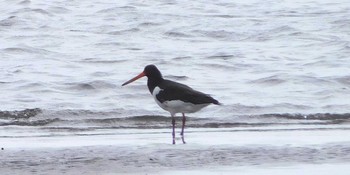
[
  {"x": 224, "y": 151},
  {"x": 271, "y": 57},
  {"x": 276, "y": 66}
]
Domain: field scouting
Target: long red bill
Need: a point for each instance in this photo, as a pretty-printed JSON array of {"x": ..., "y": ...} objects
[{"x": 142, "y": 74}]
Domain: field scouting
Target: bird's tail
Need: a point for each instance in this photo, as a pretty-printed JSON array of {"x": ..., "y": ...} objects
[{"x": 217, "y": 102}]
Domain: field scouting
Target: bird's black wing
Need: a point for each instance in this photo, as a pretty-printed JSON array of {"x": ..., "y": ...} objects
[{"x": 171, "y": 90}]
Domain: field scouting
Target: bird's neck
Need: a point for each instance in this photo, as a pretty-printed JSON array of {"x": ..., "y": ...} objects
[{"x": 152, "y": 82}]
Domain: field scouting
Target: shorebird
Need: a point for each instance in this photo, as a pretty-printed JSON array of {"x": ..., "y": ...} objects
[{"x": 174, "y": 97}]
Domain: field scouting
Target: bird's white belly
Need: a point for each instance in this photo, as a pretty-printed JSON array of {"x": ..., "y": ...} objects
[{"x": 177, "y": 106}]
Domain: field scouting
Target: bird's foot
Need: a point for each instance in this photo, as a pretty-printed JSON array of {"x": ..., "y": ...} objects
[{"x": 183, "y": 140}]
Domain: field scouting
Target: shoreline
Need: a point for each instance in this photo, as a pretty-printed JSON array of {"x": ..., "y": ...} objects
[{"x": 148, "y": 152}]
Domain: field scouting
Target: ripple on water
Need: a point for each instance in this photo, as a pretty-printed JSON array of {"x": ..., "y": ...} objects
[
  {"x": 117, "y": 9},
  {"x": 126, "y": 31},
  {"x": 93, "y": 85},
  {"x": 344, "y": 80},
  {"x": 10, "y": 21},
  {"x": 218, "y": 34}
]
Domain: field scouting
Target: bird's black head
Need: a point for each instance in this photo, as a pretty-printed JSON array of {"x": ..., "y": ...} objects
[
  {"x": 151, "y": 71},
  {"x": 154, "y": 77},
  {"x": 153, "y": 74}
]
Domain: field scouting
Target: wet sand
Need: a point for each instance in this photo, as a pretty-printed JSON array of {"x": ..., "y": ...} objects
[{"x": 208, "y": 151}]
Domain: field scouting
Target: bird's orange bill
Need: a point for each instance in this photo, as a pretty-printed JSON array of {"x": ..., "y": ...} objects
[{"x": 142, "y": 74}]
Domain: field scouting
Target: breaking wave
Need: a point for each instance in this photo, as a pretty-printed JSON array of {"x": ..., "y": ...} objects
[{"x": 118, "y": 120}]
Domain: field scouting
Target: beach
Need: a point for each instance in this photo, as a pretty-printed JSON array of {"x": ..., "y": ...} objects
[
  {"x": 208, "y": 151},
  {"x": 280, "y": 69}
]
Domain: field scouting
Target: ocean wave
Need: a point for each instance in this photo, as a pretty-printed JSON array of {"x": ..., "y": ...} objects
[
  {"x": 219, "y": 34},
  {"x": 99, "y": 61},
  {"x": 93, "y": 85},
  {"x": 117, "y": 9},
  {"x": 271, "y": 80},
  {"x": 126, "y": 31},
  {"x": 10, "y": 21},
  {"x": 20, "y": 114},
  {"x": 118, "y": 120},
  {"x": 344, "y": 80},
  {"x": 29, "y": 122},
  {"x": 318, "y": 116},
  {"x": 177, "y": 34},
  {"x": 23, "y": 49},
  {"x": 176, "y": 77},
  {"x": 32, "y": 11}
]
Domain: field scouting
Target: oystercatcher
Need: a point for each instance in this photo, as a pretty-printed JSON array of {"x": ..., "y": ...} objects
[{"x": 174, "y": 97}]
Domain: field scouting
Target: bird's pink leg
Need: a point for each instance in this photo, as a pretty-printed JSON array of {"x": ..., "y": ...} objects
[
  {"x": 183, "y": 128},
  {"x": 173, "y": 123}
]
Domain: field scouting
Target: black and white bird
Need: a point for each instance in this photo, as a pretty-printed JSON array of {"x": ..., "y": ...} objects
[{"x": 174, "y": 97}]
